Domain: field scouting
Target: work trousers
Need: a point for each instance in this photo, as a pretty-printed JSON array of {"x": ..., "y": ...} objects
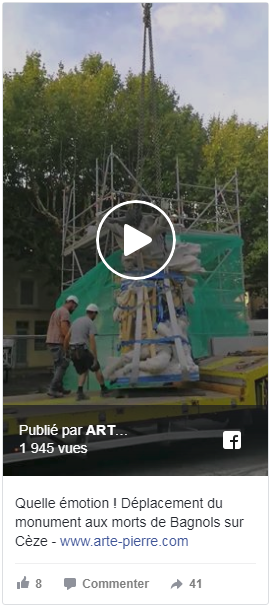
[{"x": 61, "y": 363}]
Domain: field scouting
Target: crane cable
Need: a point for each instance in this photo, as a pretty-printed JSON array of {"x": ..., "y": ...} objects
[{"x": 140, "y": 152}]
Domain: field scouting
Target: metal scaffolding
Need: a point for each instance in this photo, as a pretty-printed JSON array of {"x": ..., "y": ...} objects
[{"x": 216, "y": 211}]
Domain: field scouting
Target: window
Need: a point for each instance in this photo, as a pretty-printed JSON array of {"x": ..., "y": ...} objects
[
  {"x": 26, "y": 292},
  {"x": 40, "y": 329}
]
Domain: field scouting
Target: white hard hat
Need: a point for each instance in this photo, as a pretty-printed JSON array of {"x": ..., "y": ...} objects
[
  {"x": 92, "y": 307},
  {"x": 72, "y": 298}
]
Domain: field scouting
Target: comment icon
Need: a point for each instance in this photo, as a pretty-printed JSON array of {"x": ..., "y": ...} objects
[{"x": 69, "y": 583}]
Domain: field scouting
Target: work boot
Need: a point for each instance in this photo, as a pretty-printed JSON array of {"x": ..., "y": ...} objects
[
  {"x": 105, "y": 391},
  {"x": 81, "y": 396},
  {"x": 64, "y": 391},
  {"x": 55, "y": 394}
]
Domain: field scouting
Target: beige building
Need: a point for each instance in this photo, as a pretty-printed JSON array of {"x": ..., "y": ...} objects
[{"x": 28, "y": 301}]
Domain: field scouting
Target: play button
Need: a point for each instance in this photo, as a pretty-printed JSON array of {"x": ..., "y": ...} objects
[
  {"x": 123, "y": 224},
  {"x": 134, "y": 240}
]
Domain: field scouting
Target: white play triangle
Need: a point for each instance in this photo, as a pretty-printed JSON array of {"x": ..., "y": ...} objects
[{"x": 134, "y": 240}]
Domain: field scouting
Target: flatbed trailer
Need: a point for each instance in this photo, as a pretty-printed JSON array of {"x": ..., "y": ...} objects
[{"x": 232, "y": 389}]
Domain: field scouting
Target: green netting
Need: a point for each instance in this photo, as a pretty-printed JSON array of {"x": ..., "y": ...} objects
[{"x": 219, "y": 309}]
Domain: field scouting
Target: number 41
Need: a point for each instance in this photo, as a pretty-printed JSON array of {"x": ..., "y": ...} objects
[{"x": 194, "y": 583}]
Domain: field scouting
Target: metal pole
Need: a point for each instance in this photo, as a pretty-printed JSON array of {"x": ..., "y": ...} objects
[
  {"x": 131, "y": 175},
  {"x": 97, "y": 185},
  {"x": 221, "y": 261},
  {"x": 65, "y": 224},
  {"x": 102, "y": 195},
  {"x": 228, "y": 210},
  {"x": 208, "y": 206},
  {"x": 239, "y": 232},
  {"x": 98, "y": 204},
  {"x": 112, "y": 174},
  {"x": 104, "y": 181},
  {"x": 73, "y": 227},
  {"x": 237, "y": 203},
  {"x": 63, "y": 238},
  {"x": 216, "y": 208},
  {"x": 179, "y": 201},
  {"x": 112, "y": 189},
  {"x": 78, "y": 264}
]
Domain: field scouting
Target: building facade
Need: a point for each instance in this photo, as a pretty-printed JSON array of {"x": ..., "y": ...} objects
[{"x": 28, "y": 301}]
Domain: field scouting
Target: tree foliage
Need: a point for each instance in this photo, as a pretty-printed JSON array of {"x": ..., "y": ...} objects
[
  {"x": 55, "y": 126},
  {"x": 243, "y": 146}
]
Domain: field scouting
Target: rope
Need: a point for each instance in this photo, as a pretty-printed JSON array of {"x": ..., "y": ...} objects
[
  {"x": 154, "y": 115},
  {"x": 139, "y": 168},
  {"x": 140, "y": 150}
]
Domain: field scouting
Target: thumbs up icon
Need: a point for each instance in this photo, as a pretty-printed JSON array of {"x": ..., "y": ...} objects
[{"x": 23, "y": 584}]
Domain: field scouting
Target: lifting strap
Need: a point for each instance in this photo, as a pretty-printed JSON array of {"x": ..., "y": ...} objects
[{"x": 140, "y": 153}]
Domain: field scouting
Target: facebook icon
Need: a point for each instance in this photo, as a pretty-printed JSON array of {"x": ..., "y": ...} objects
[{"x": 231, "y": 440}]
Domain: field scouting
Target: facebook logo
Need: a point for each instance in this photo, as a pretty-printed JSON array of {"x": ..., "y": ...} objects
[{"x": 231, "y": 440}]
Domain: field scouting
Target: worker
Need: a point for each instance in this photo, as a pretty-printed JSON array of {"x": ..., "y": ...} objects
[
  {"x": 58, "y": 328},
  {"x": 80, "y": 340}
]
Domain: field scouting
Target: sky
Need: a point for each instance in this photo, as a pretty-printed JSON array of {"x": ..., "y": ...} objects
[{"x": 215, "y": 55}]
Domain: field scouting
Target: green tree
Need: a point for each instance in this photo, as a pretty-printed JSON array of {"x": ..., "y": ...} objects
[
  {"x": 55, "y": 126},
  {"x": 181, "y": 132},
  {"x": 53, "y": 131},
  {"x": 243, "y": 146}
]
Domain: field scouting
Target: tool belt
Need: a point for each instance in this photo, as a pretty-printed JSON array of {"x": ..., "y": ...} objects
[{"x": 77, "y": 351}]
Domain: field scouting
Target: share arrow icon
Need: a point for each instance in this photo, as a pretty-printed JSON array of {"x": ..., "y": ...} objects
[{"x": 178, "y": 584}]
